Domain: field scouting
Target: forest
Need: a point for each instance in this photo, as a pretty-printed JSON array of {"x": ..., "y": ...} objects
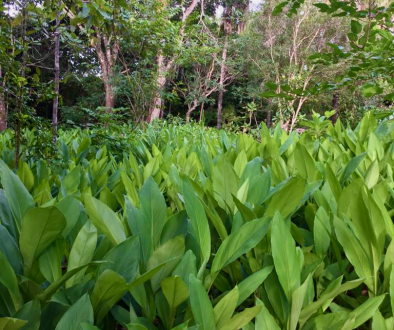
[{"x": 196, "y": 164}]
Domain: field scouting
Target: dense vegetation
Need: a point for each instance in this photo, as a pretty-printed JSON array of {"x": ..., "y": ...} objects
[
  {"x": 121, "y": 207},
  {"x": 195, "y": 228}
]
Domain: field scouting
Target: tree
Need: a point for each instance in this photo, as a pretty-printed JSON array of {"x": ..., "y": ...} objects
[
  {"x": 165, "y": 63},
  {"x": 57, "y": 72},
  {"x": 199, "y": 67},
  {"x": 285, "y": 44},
  {"x": 101, "y": 22},
  {"x": 367, "y": 54},
  {"x": 234, "y": 18}
]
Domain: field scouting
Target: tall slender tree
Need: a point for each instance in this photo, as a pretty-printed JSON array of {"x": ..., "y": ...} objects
[
  {"x": 165, "y": 64},
  {"x": 55, "y": 107}
]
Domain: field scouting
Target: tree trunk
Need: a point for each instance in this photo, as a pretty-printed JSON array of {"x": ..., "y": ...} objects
[
  {"x": 157, "y": 103},
  {"x": 18, "y": 133},
  {"x": 190, "y": 109},
  {"x": 201, "y": 112},
  {"x": 221, "y": 82},
  {"x": 335, "y": 106},
  {"x": 107, "y": 57},
  {"x": 57, "y": 77},
  {"x": 109, "y": 95},
  {"x": 3, "y": 107}
]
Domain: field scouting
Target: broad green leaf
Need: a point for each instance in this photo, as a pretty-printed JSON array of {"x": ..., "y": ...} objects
[
  {"x": 308, "y": 311},
  {"x": 51, "y": 289},
  {"x": 198, "y": 219},
  {"x": 7, "y": 220},
  {"x": 10, "y": 282},
  {"x": 264, "y": 320},
  {"x": 240, "y": 242},
  {"x": 372, "y": 175},
  {"x": 71, "y": 209},
  {"x": 240, "y": 163},
  {"x": 9, "y": 323},
  {"x": 175, "y": 291},
  {"x": 366, "y": 310},
  {"x": 169, "y": 253},
  {"x": 225, "y": 183},
  {"x": 286, "y": 256},
  {"x": 18, "y": 197},
  {"x": 251, "y": 283},
  {"x": 297, "y": 302},
  {"x": 123, "y": 259},
  {"x": 305, "y": 163},
  {"x": 241, "y": 319},
  {"x": 322, "y": 232},
  {"x": 82, "y": 251},
  {"x": 8, "y": 246},
  {"x": 105, "y": 220},
  {"x": 331, "y": 321},
  {"x": 154, "y": 210},
  {"x": 50, "y": 261},
  {"x": 81, "y": 311},
  {"x": 186, "y": 266},
  {"x": 225, "y": 308},
  {"x": 287, "y": 200},
  {"x": 30, "y": 312},
  {"x": 26, "y": 176},
  {"x": 201, "y": 305},
  {"x": 109, "y": 288},
  {"x": 351, "y": 166},
  {"x": 40, "y": 228},
  {"x": 378, "y": 322},
  {"x": 355, "y": 252}
]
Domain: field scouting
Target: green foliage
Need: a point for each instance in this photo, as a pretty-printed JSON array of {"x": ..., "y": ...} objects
[{"x": 193, "y": 227}]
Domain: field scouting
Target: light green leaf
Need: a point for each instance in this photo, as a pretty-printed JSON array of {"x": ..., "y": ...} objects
[
  {"x": 105, "y": 220},
  {"x": 198, "y": 219},
  {"x": 351, "y": 166},
  {"x": 225, "y": 308},
  {"x": 241, "y": 319},
  {"x": 264, "y": 320},
  {"x": 308, "y": 311},
  {"x": 18, "y": 197},
  {"x": 251, "y": 283},
  {"x": 372, "y": 175},
  {"x": 286, "y": 257},
  {"x": 10, "y": 282},
  {"x": 175, "y": 291},
  {"x": 169, "y": 253},
  {"x": 287, "y": 200},
  {"x": 26, "y": 176},
  {"x": 201, "y": 305},
  {"x": 9, "y": 323},
  {"x": 50, "y": 261},
  {"x": 240, "y": 242},
  {"x": 81, "y": 311},
  {"x": 82, "y": 251},
  {"x": 154, "y": 210},
  {"x": 123, "y": 259},
  {"x": 297, "y": 302},
  {"x": 109, "y": 288},
  {"x": 40, "y": 228}
]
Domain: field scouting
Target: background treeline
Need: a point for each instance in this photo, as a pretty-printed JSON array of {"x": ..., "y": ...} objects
[{"x": 229, "y": 63}]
